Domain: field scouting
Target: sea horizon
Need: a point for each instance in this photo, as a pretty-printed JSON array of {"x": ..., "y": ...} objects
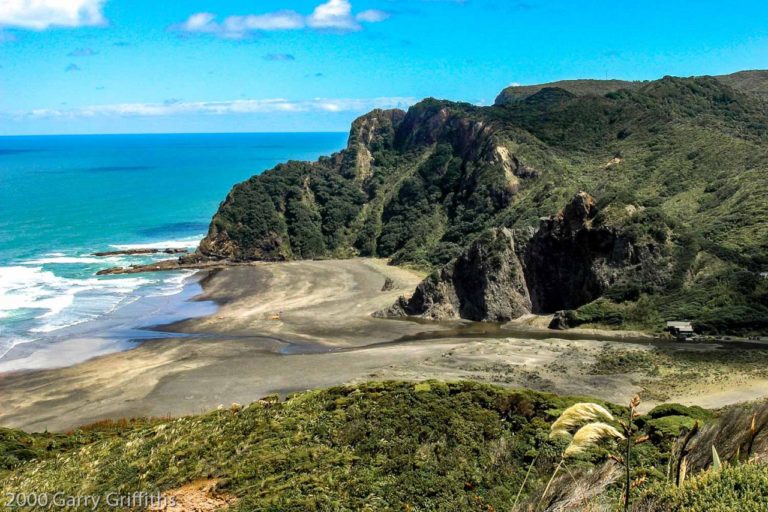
[
  {"x": 107, "y": 134},
  {"x": 65, "y": 197}
]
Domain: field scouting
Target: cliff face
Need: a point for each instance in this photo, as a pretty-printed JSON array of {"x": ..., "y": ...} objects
[
  {"x": 676, "y": 167},
  {"x": 485, "y": 283},
  {"x": 570, "y": 261},
  {"x": 368, "y": 134},
  {"x": 408, "y": 186},
  {"x": 574, "y": 259}
]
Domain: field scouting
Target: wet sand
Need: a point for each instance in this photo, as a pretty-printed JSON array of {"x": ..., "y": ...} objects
[
  {"x": 325, "y": 303},
  {"x": 285, "y": 327}
]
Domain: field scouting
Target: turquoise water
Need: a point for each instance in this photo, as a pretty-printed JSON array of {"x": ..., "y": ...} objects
[{"x": 64, "y": 197}]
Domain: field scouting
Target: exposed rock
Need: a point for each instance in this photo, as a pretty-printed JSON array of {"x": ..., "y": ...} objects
[
  {"x": 198, "y": 496},
  {"x": 571, "y": 261},
  {"x": 193, "y": 259},
  {"x": 368, "y": 130},
  {"x": 560, "y": 321},
  {"x": 613, "y": 162},
  {"x": 485, "y": 283},
  {"x": 136, "y": 269},
  {"x": 167, "y": 265},
  {"x": 389, "y": 284},
  {"x": 567, "y": 263}
]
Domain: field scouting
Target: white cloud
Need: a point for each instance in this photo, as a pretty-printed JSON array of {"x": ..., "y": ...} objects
[
  {"x": 239, "y": 26},
  {"x": 248, "y": 106},
  {"x": 43, "y": 14},
  {"x": 335, "y": 15},
  {"x": 372, "y": 16},
  {"x": 332, "y": 15},
  {"x": 200, "y": 22}
]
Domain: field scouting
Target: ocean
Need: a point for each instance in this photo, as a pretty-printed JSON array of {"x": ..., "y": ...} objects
[{"x": 62, "y": 198}]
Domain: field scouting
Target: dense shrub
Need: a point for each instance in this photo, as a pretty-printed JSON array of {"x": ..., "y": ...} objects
[
  {"x": 677, "y": 166},
  {"x": 741, "y": 487},
  {"x": 378, "y": 446}
]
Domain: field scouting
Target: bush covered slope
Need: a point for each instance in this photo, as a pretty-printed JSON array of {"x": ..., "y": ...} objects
[
  {"x": 743, "y": 487},
  {"x": 378, "y": 446},
  {"x": 677, "y": 162}
]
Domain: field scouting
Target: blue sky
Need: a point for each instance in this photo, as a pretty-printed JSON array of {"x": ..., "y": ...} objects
[{"x": 126, "y": 66}]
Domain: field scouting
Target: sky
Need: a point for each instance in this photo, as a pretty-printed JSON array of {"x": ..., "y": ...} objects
[{"x": 149, "y": 66}]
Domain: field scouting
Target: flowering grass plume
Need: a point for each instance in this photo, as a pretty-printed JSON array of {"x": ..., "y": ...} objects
[
  {"x": 589, "y": 435},
  {"x": 578, "y": 414}
]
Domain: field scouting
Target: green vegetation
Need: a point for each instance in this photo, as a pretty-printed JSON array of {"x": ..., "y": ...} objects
[
  {"x": 17, "y": 447},
  {"x": 426, "y": 446},
  {"x": 517, "y": 93},
  {"x": 612, "y": 361},
  {"x": 741, "y": 487},
  {"x": 377, "y": 446},
  {"x": 677, "y": 165}
]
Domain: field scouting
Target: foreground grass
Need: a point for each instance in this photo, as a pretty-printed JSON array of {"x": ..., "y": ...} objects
[
  {"x": 17, "y": 447},
  {"x": 741, "y": 487},
  {"x": 377, "y": 446}
]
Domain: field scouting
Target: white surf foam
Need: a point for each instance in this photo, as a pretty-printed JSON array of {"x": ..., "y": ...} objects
[
  {"x": 24, "y": 287},
  {"x": 186, "y": 243},
  {"x": 7, "y": 344},
  {"x": 36, "y": 304},
  {"x": 175, "y": 284},
  {"x": 74, "y": 260},
  {"x": 61, "y": 302}
]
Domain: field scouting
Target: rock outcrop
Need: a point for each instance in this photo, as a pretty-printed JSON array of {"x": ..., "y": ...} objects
[
  {"x": 677, "y": 165},
  {"x": 573, "y": 258},
  {"x": 366, "y": 132},
  {"x": 570, "y": 261},
  {"x": 485, "y": 283}
]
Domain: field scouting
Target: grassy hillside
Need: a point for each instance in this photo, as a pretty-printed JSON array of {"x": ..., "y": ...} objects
[
  {"x": 751, "y": 81},
  {"x": 678, "y": 162},
  {"x": 378, "y": 446},
  {"x": 515, "y": 93},
  {"x": 741, "y": 487}
]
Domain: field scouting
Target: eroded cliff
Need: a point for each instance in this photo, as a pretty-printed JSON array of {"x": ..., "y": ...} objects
[
  {"x": 677, "y": 228},
  {"x": 575, "y": 257}
]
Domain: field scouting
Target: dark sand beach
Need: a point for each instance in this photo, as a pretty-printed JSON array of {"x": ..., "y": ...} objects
[{"x": 286, "y": 327}]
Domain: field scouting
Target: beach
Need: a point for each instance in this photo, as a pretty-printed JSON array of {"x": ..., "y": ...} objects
[
  {"x": 289, "y": 327},
  {"x": 76, "y": 205}
]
